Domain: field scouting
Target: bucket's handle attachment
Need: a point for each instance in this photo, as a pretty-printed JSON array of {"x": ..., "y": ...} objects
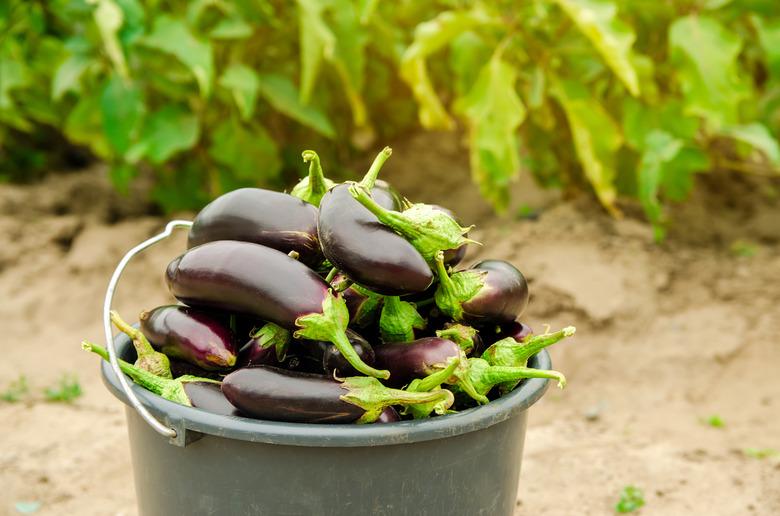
[{"x": 148, "y": 417}]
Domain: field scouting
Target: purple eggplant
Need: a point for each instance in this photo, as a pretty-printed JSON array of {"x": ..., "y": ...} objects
[
  {"x": 266, "y": 346},
  {"x": 182, "y": 368},
  {"x": 492, "y": 291},
  {"x": 333, "y": 361},
  {"x": 515, "y": 329},
  {"x": 367, "y": 251},
  {"x": 266, "y": 392},
  {"x": 192, "y": 391},
  {"x": 273, "y": 219},
  {"x": 388, "y": 415},
  {"x": 249, "y": 278},
  {"x": 192, "y": 335},
  {"x": 409, "y": 360},
  {"x": 363, "y": 305}
]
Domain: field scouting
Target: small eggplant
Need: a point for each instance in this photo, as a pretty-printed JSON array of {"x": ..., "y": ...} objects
[
  {"x": 266, "y": 392},
  {"x": 367, "y": 251},
  {"x": 388, "y": 415},
  {"x": 517, "y": 330},
  {"x": 148, "y": 359},
  {"x": 253, "y": 279},
  {"x": 192, "y": 391},
  {"x": 427, "y": 228},
  {"x": 191, "y": 335},
  {"x": 266, "y": 346},
  {"x": 466, "y": 337},
  {"x": 182, "y": 368},
  {"x": 273, "y": 219},
  {"x": 333, "y": 361},
  {"x": 363, "y": 305},
  {"x": 491, "y": 291},
  {"x": 312, "y": 187},
  {"x": 409, "y": 360}
]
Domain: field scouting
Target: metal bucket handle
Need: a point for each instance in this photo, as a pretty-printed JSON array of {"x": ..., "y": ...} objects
[{"x": 148, "y": 417}]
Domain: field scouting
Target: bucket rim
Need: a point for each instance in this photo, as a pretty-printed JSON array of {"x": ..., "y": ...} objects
[{"x": 190, "y": 419}]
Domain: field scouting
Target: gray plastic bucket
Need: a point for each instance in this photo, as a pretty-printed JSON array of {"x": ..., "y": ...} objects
[{"x": 460, "y": 464}]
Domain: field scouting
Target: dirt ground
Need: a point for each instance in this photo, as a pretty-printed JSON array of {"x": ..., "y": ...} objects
[{"x": 668, "y": 336}]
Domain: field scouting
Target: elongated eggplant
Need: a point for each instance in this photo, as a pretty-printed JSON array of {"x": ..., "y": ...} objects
[
  {"x": 366, "y": 250},
  {"x": 148, "y": 359},
  {"x": 190, "y": 334},
  {"x": 250, "y": 278},
  {"x": 266, "y": 392},
  {"x": 333, "y": 362},
  {"x": 267, "y": 346},
  {"x": 388, "y": 415},
  {"x": 492, "y": 291},
  {"x": 192, "y": 391},
  {"x": 273, "y": 219},
  {"x": 409, "y": 360},
  {"x": 182, "y": 368}
]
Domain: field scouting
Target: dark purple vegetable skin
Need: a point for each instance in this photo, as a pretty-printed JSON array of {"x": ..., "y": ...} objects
[
  {"x": 369, "y": 252},
  {"x": 388, "y": 415},
  {"x": 247, "y": 278},
  {"x": 181, "y": 368},
  {"x": 517, "y": 330},
  {"x": 332, "y": 359},
  {"x": 209, "y": 397},
  {"x": 192, "y": 335},
  {"x": 504, "y": 296},
  {"x": 273, "y": 219},
  {"x": 417, "y": 359},
  {"x": 254, "y": 354},
  {"x": 275, "y": 394}
]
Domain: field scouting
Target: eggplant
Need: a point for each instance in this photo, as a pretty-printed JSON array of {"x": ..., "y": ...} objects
[
  {"x": 388, "y": 415},
  {"x": 273, "y": 219},
  {"x": 192, "y": 391},
  {"x": 182, "y": 368},
  {"x": 312, "y": 187},
  {"x": 267, "y": 392},
  {"x": 515, "y": 329},
  {"x": 147, "y": 358},
  {"x": 426, "y": 227},
  {"x": 367, "y": 251},
  {"x": 250, "y": 278},
  {"x": 268, "y": 346},
  {"x": 363, "y": 305},
  {"x": 409, "y": 360},
  {"x": 192, "y": 335},
  {"x": 492, "y": 291},
  {"x": 333, "y": 362}
]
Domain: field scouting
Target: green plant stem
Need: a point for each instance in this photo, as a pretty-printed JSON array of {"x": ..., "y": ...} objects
[
  {"x": 148, "y": 359},
  {"x": 373, "y": 172}
]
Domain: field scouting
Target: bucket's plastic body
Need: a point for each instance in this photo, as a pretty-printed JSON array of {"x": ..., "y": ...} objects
[{"x": 461, "y": 464}]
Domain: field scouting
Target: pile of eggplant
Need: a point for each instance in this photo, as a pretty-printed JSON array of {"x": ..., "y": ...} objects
[{"x": 334, "y": 303}]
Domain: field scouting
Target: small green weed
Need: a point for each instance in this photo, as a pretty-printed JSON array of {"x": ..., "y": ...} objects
[
  {"x": 15, "y": 391},
  {"x": 631, "y": 499},
  {"x": 66, "y": 390}
]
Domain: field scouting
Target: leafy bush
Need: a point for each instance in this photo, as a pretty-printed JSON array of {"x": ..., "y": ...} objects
[{"x": 630, "y": 97}]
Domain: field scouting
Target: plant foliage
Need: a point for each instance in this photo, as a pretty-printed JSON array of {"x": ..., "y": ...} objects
[{"x": 629, "y": 98}]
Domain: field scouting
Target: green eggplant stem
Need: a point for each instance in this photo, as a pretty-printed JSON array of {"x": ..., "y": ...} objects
[
  {"x": 370, "y": 395},
  {"x": 331, "y": 275},
  {"x": 343, "y": 285},
  {"x": 484, "y": 376},
  {"x": 399, "y": 319},
  {"x": 460, "y": 334},
  {"x": 429, "y": 383},
  {"x": 272, "y": 335},
  {"x": 509, "y": 352},
  {"x": 373, "y": 172},
  {"x": 313, "y": 187},
  {"x": 148, "y": 359}
]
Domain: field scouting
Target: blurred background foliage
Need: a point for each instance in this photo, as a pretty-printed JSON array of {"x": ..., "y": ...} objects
[{"x": 628, "y": 98}]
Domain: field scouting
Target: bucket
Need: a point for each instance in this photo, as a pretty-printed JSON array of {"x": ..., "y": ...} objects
[{"x": 190, "y": 462}]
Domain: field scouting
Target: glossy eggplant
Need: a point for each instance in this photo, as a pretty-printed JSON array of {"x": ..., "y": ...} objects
[
  {"x": 273, "y": 219},
  {"x": 249, "y": 278},
  {"x": 366, "y": 250},
  {"x": 192, "y": 391},
  {"x": 147, "y": 358},
  {"x": 333, "y": 362},
  {"x": 517, "y": 330},
  {"x": 409, "y": 360},
  {"x": 190, "y": 334},
  {"x": 388, "y": 415},
  {"x": 266, "y": 346},
  {"x": 266, "y": 392},
  {"x": 492, "y": 291}
]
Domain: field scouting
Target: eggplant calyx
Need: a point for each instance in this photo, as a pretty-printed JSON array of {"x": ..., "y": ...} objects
[
  {"x": 431, "y": 382},
  {"x": 371, "y": 396},
  {"x": 429, "y": 230},
  {"x": 457, "y": 289},
  {"x": 509, "y": 352},
  {"x": 366, "y": 311},
  {"x": 373, "y": 172},
  {"x": 485, "y": 376},
  {"x": 148, "y": 359},
  {"x": 314, "y": 186},
  {"x": 273, "y": 335},
  {"x": 399, "y": 319},
  {"x": 460, "y": 334},
  {"x": 330, "y": 326}
]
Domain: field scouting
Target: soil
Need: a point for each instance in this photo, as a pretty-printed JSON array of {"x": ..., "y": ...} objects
[{"x": 667, "y": 336}]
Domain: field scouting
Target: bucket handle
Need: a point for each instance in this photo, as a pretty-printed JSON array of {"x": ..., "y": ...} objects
[{"x": 148, "y": 417}]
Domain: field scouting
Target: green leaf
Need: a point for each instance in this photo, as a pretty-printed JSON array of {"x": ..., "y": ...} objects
[
  {"x": 429, "y": 37},
  {"x": 121, "y": 174},
  {"x": 705, "y": 55},
  {"x": 631, "y": 499},
  {"x": 348, "y": 57},
  {"x": 757, "y": 136},
  {"x": 122, "y": 105},
  {"x": 494, "y": 112},
  {"x": 769, "y": 36},
  {"x": 231, "y": 28},
  {"x": 13, "y": 75},
  {"x": 316, "y": 41},
  {"x": 243, "y": 83},
  {"x": 281, "y": 93},
  {"x": 109, "y": 18},
  {"x": 249, "y": 152},
  {"x": 640, "y": 118},
  {"x": 68, "y": 76},
  {"x": 596, "y": 138},
  {"x": 172, "y": 36},
  {"x": 660, "y": 148},
  {"x": 84, "y": 125},
  {"x": 168, "y": 131},
  {"x": 598, "y": 21},
  {"x": 677, "y": 179},
  {"x": 467, "y": 54}
]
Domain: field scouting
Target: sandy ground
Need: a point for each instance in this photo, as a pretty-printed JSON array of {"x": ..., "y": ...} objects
[{"x": 667, "y": 336}]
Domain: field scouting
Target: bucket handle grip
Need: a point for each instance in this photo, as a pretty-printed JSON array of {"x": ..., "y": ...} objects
[{"x": 113, "y": 359}]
